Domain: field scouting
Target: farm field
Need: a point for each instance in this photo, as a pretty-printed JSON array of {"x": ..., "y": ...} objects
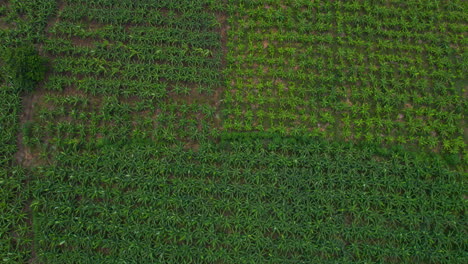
[
  {"x": 238, "y": 131},
  {"x": 391, "y": 72}
]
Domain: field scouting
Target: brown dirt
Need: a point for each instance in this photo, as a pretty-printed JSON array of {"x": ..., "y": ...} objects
[
  {"x": 192, "y": 145},
  {"x": 104, "y": 251},
  {"x": 81, "y": 42},
  {"x": 164, "y": 11},
  {"x": 3, "y": 25},
  {"x": 60, "y": 6},
  {"x": 219, "y": 91},
  {"x": 25, "y": 156}
]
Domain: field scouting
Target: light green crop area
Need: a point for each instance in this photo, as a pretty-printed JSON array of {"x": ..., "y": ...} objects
[{"x": 392, "y": 72}]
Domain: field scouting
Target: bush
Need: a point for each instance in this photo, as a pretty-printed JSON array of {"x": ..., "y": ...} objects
[
  {"x": 453, "y": 159},
  {"x": 24, "y": 67}
]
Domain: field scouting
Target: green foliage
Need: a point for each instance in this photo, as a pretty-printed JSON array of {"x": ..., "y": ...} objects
[
  {"x": 25, "y": 68},
  {"x": 26, "y": 21},
  {"x": 142, "y": 70},
  {"x": 372, "y": 71},
  {"x": 20, "y": 22},
  {"x": 132, "y": 168},
  {"x": 15, "y": 240},
  {"x": 249, "y": 201},
  {"x": 453, "y": 159}
]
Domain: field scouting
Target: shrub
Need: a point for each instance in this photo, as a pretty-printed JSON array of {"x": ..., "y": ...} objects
[{"x": 24, "y": 67}]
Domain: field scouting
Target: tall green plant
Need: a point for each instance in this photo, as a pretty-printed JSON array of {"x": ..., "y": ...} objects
[{"x": 24, "y": 67}]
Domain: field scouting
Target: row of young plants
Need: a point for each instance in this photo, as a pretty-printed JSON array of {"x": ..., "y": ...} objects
[
  {"x": 24, "y": 20},
  {"x": 15, "y": 231},
  {"x": 75, "y": 122},
  {"x": 249, "y": 199},
  {"x": 354, "y": 70}
]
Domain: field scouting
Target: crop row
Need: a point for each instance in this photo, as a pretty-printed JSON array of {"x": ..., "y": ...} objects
[{"x": 15, "y": 231}]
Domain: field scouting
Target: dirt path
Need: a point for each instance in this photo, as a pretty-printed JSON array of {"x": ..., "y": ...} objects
[
  {"x": 218, "y": 94},
  {"x": 24, "y": 156}
]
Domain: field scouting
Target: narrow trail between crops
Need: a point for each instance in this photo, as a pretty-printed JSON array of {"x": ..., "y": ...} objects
[
  {"x": 218, "y": 95},
  {"x": 25, "y": 158}
]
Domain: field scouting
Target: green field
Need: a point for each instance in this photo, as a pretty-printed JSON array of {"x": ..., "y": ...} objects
[
  {"x": 238, "y": 131},
  {"x": 378, "y": 71}
]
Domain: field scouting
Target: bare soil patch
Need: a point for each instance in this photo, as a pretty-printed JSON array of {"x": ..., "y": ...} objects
[{"x": 25, "y": 156}]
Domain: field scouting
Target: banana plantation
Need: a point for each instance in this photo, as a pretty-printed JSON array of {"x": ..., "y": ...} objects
[{"x": 233, "y": 131}]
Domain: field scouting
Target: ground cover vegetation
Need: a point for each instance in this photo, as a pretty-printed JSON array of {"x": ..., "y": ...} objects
[{"x": 240, "y": 131}]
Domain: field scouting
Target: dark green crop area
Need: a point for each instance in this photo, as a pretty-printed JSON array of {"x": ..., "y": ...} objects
[
  {"x": 237, "y": 131},
  {"x": 15, "y": 240},
  {"x": 248, "y": 201}
]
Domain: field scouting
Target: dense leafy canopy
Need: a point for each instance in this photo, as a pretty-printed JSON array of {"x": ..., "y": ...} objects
[
  {"x": 279, "y": 200},
  {"x": 24, "y": 67}
]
